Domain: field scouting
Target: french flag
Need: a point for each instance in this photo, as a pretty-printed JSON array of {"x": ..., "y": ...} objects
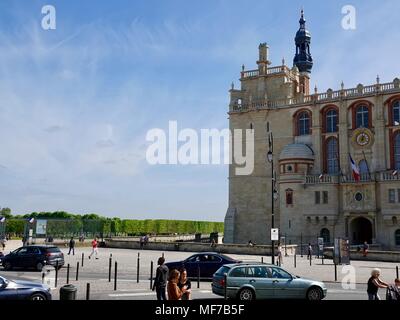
[{"x": 354, "y": 168}]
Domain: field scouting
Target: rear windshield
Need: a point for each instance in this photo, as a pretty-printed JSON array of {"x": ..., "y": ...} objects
[
  {"x": 222, "y": 270},
  {"x": 52, "y": 249}
]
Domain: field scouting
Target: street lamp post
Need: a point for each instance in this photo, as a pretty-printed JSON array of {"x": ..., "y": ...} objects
[{"x": 270, "y": 159}]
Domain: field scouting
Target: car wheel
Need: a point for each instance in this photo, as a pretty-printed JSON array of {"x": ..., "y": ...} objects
[
  {"x": 37, "y": 297},
  {"x": 39, "y": 266},
  {"x": 7, "y": 266},
  {"x": 246, "y": 294},
  {"x": 314, "y": 293}
]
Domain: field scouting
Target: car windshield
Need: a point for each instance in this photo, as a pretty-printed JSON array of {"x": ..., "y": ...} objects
[{"x": 226, "y": 257}]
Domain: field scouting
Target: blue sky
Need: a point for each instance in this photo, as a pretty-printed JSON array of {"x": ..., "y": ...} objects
[{"x": 76, "y": 102}]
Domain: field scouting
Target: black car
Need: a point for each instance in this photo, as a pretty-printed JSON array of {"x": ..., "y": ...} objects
[
  {"x": 206, "y": 263},
  {"x": 35, "y": 256},
  {"x": 23, "y": 290}
]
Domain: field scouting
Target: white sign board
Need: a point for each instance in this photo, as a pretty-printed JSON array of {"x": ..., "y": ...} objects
[
  {"x": 275, "y": 234},
  {"x": 41, "y": 227}
]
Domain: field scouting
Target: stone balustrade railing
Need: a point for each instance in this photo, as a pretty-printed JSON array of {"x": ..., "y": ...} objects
[
  {"x": 330, "y": 95},
  {"x": 364, "y": 178}
]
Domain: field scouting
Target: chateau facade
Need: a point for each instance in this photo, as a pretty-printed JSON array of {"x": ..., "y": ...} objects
[{"x": 314, "y": 137}]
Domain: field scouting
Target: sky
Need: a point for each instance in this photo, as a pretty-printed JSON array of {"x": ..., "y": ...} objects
[{"x": 77, "y": 102}]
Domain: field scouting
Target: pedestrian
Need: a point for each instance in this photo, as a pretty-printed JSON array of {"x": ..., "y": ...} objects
[
  {"x": 174, "y": 293},
  {"x": 365, "y": 248},
  {"x": 141, "y": 242},
  {"x": 160, "y": 282},
  {"x": 3, "y": 243},
  {"x": 94, "y": 248},
  {"x": 185, "y": 284},
  {"x": 280, "y": 257},
  {"x": 393, "y": 291},
  {"x": 309, "y": 254},
  {"x": 374, "y": 283},
  {"x": 250, "y": 243},
  {"x": 71, "y": 246}
]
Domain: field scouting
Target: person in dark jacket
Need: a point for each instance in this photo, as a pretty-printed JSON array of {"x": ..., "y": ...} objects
[
  {"x": 161, "y": 279},
  {"x": 374, "y": 283},
  {"x": 71, "y": 246}
]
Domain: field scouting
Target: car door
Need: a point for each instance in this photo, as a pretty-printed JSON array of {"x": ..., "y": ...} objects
[
  {"x": 191, "y": 265},
  {"x": 236, "y": 279},
  {"x": 259, "y": 278},
  {"x": 283, "y": 284},
  {"x": 213, "y": 263},
  {"x": 20, "y": 257}
]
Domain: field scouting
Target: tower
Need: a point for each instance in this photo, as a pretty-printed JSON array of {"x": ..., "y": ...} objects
[{"x": 303, "y": 60}]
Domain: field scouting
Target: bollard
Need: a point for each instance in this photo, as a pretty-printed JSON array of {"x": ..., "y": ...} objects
[
  {"x": 225, "y": 285},
  {"x": 301, "y": 245},
  {"x": 68, "y": 273},
  {"x": 322, "y": 257},
  {"x": 42, "y": 277},
  {"x": 151, "y": 275},
  {"x": 83, "y": 256},
  {"x": 87, "y": 291},
  {"x": 262, "y": 259},
  {"x": 335, "y": 272},
  {"x": 397, "y": 272},
  {"x": 310, "y": 258},
  {"x": 198, "y": 277},
  {"x": 115, "y": 276},
  {"x": 138, "y": 267},
  {"x": 56, "y": 280},
  {"x": 295, "y": 262},
  {"x": 162, "y": 255},
  {"x": 77, "y": 271},
  {"x": 109, "y": 268}
]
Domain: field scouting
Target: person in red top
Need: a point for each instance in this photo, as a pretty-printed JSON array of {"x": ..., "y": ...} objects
[{"x": 95, "y": 250}]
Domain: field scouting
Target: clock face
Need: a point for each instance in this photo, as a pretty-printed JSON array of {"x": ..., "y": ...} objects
[{"x": 362, "y": 139}]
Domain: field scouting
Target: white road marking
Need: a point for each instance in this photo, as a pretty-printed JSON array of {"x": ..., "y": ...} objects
[{"x": 132, "y": 294}]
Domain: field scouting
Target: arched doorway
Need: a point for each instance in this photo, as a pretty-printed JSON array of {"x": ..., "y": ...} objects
[
  {"x": 325, "y": 234},
  {"x": 361, "y": 230}
]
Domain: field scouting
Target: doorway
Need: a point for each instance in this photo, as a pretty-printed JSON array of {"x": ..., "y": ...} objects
[{"x": 361, "y": 230}]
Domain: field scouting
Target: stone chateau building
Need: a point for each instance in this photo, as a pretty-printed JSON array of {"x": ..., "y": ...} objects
[{"x": 314, "y": 135}]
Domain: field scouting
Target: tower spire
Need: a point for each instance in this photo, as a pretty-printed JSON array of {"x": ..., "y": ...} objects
[{"x": 303, "y": 59}]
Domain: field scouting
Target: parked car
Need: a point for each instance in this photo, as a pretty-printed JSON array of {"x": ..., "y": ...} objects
[
  {"x": 264, "y": 281},
  {"x": 23, "y": 290},
  {"x": 206, "y": 262},
  {"x": 1, "y": 256},
  {"x": 36, "y": 256}
]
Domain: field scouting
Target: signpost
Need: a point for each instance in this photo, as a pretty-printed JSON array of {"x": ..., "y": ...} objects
[
  {"x": 41, "y": 226},
  {"x": 274, "y": 234},
  {"x": 341, "y": 251}
]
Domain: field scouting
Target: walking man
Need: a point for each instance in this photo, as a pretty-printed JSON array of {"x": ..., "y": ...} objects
[
  {"x": 160, "y": 281},
  {"x": 71, "y": 246},
  {"x": 94, "y": 248},
  {"x": 309, "y": 255}
]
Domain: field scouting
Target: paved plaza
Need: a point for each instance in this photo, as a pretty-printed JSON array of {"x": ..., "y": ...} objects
[{"x": 95, "y": 272}]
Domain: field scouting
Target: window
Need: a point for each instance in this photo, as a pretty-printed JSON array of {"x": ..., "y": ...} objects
[
  {"x": 251, "y": 126},
  {"x": 325, "y": 196},
  {"x": 396, "y": 113},
  {"x": 289, "y": 197},
  {"x": 280, "y": 273},
  {"x": 317, "y": 197},
  {"x": 392, "y": 196},
  {"x": 303, "y": 123},
  {"x": 332, "y": 161},
  {"x": 325, "y": 234},
  {"x": 397, "y": 151},
  {"x": 362, "y": 117},
  {"x": 331, "y": 121},
  {"x": 363, "y": 166},
  {"x": 358, "y": 196},
  {"x": 238, "y": 273},
  {"x": 257, "y": 272},
  {"x": 397, "y": 237}
]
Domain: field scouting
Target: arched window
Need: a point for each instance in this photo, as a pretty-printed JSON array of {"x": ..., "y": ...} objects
[
  {"x": 332, "y": 153},
  {"x": 363, "y": 166},
  {"x": 397, "y": 237},
  {"x": 251, "y": 126},
  {"x": 396, "y": 151},
  {"x": 362, "y": 117},
  {"x": 303, "y": 123},
  {"x": 396, "y": 113},
  {"x": 325, "y": 234},
  {"x": 331, "y": 121}
]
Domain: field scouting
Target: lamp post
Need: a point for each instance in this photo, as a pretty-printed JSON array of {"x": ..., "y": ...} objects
[{"x": 270, "y": 159}]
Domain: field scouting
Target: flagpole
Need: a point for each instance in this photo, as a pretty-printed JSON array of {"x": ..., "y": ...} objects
[{"x": 365, "y": 159}]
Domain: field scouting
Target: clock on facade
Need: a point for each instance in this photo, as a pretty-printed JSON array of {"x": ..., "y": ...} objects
[{"x": 362, "y": 138}]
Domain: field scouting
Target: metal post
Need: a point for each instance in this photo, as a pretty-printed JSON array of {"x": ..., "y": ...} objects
[
  {"x": 335, "y": 272},
  {"x": 397, "y": 272},
  {"x": 322, "y": 257},
  {"x": 198, "y": 277},
  {"x": 285, "y": 246},
  {"x": 151, "y": 275},
  {"x": 310, "y": 258},
  {"x": 68, "y": 273},
  {"x": 42, "y": 277},
  {"x": 109, "y": 268},
  {"x": 56, "y": 280},
  {"x": 162, "y": 255},
  {"x": 301, "y": 245},
  {"x": 115, "y": 275},
  {"x": 225, "y": 286},
  {"x": 138, "y": 267},
  {"x": 83, "y": 256},
  {"x": 262, "y": 259},
  {"x": 295, "y": 262},
  {"x": 77, "y": 271},
  {"x": 88, "y": 291}
]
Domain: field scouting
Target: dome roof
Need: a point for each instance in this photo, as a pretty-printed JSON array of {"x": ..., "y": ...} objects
[{"x": 297, "y": 151}]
